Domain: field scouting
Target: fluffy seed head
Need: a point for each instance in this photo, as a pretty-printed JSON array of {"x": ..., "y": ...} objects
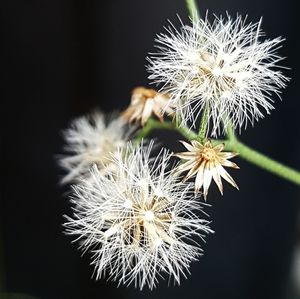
[
  {"x": 90, "y": 140},
  {"x": 139, "y": 223},
  {"x": 225, "y": 66}
]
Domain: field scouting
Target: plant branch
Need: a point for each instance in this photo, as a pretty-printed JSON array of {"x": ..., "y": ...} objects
[
  {"x": 232, "y": 144},
  {"x": 230, "y": 132},
  {"x": 153, "y": 124},
  {"x": 194, "y": 14},
  {"x": 203, "y": 125},
  {"x": 193, "y": 9},
  {"x": 262, "y": 161}
]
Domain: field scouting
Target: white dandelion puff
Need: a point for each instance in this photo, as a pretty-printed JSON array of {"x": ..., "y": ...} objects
[
  {"x": 90, "y": 140},
  {"x": 225, "y": 66},
  {"x": 139, "y": 223}
]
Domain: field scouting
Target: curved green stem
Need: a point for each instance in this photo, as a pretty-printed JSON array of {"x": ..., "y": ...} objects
[
  {"x": 262, "y": 161},
  {"x": 232, "y": 144},
  {"x": 153, "y": 124}
]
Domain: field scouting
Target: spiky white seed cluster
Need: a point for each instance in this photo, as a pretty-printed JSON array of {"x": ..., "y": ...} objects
[
  {"x": 224, "y": 66},
  {"x": 139, "y": 222},
  {"x": 90, "y": 140}
]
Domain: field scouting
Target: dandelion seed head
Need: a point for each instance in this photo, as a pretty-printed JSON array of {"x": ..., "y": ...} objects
[
  {"x": 149, "y": 215},
  {"x": 225, "y": 65},
  {"x": 140, "y": 223},
  {"x": 90, "y": 140}
]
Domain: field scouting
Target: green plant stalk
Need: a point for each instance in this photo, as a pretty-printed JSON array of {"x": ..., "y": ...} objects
[
  {"x": 243, "y": 150},
  {"x": 194, "y": 14},
  {"x": 203, "y": 125},
  {"x": 153, "y": 124},
  {"x": 193, "y": 9},
  {"x": 230, "y": 132},
  {"x": 232, "y": 144},
  {"x": 262, "y": 161}
]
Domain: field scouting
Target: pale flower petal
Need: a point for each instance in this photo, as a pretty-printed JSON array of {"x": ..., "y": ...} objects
[
  {"x": 206, "y": 162},
  {"x": 217, "y": 179},
  {"x": 225, "y": 175},
  {"x": 188, "y": 146},
  {"x": 146, "y": 102}
]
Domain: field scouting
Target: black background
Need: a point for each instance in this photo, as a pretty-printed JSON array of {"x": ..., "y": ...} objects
[{"x": 62, "y": 58}]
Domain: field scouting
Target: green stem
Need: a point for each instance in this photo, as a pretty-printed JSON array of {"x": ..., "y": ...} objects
[
  {"x": 144, "y": 131},
  {"x": 230, "y": 132},
  {"x": 259, "y": 159},
  {"x": 232, "y": 144},
  {"x": 193, "y": 10},
  {"x": 262, "y": 161},
  {"x": 153, "y": 124},
  {"x": 203, "y": 125}
]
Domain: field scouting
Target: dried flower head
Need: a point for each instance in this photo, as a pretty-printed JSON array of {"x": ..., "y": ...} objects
[
  {"x": 206, "y": 162},
  {"x": 90, "y": 140},
  {"x": 224, "y": 66},
  {"x": 144, "y": 103},
  {"x": 139, "y": 222}
]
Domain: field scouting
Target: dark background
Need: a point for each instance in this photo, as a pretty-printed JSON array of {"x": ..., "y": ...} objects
[{"x": 62, "y": 58}]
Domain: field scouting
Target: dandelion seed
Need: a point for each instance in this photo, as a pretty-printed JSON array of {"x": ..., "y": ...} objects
[
  {"x": 139, "y": 223},
  {"x": 206, "y": 162},
  {"x": 90, "y": 140},
  {"x": 225, "y": 66},
  {"x": 144, "y": 103}
]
